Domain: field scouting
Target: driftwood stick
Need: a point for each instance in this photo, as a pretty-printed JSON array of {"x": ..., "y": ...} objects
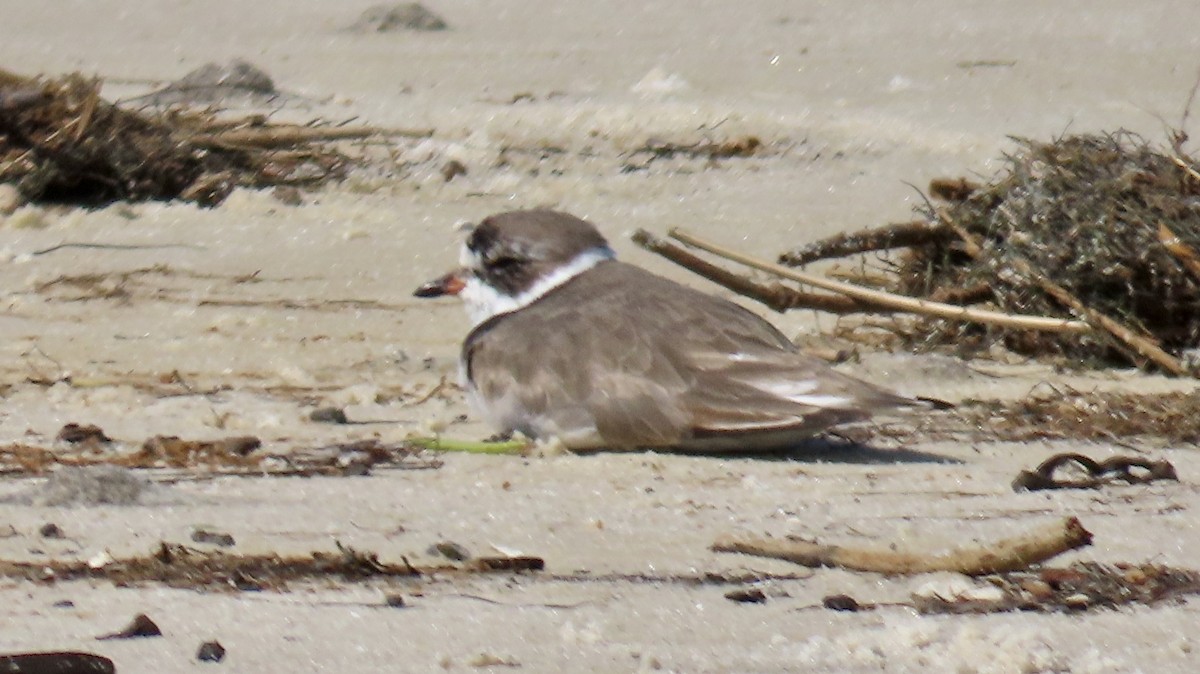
[
  {"x": 776, "y": 296},
  {"x": 897, "y": 235},
  {"x": 287, "y": 136},
  {"x": 1185, "y": 166},
  {"x": 1182, "y": 252},
  {"x": 969, "y": 295},
  {"x": 896, "y": 302},
  {"x": 1142, "y": 346},
  {"x": 1011, "y": 554}
]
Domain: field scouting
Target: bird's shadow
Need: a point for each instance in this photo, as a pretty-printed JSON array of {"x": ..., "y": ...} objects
[{"x": 829, "y": 449}]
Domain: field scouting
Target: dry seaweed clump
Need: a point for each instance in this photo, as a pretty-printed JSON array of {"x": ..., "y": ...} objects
[
  {"x": 61, "y": 142},
  {"x": 1108, "y": 218}
]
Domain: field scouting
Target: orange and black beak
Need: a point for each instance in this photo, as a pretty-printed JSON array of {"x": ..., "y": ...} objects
[{"x": 450, "y": 284}]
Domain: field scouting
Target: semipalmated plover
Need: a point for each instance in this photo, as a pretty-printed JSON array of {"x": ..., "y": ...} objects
[{"x": 569, "y": 343}]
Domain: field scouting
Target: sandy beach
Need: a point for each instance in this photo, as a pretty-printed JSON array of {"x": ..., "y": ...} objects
[{"x": 243, "y": 319}]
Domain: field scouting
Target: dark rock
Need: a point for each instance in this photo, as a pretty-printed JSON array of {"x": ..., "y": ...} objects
[
  {"x": 747, "y": 595},
  {"x": 142, "y": 626},
  {"x": 401, "y": 16},
  {"x": 211, "y": 651},
  {"x": 841, "y": 602},
  {"x": 213, "y": 538},
  {"x": 329, "y": 415}
]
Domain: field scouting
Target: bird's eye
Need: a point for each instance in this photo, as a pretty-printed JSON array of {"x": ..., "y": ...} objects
[{"x": 504, "y": 262}]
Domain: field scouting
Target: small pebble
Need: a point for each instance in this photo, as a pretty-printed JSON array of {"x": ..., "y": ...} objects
[
  {"x": 211, "y": 651},
  {"x": 746, "y": 595},
  {"x": 452, "y": 169},
  {"x": 841, "y": 602},
  {"x": 288, "y": 195},
  {"x": 213, "y": 538},
  {"x": 450, "y": 550},
  {"x": 400, "y": 16},
  {"x": 142, "y": 626},
  {"x": 329, "y": 415}
]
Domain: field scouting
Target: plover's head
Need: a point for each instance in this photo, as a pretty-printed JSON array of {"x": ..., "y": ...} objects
[{"x": 511, "y": 259}]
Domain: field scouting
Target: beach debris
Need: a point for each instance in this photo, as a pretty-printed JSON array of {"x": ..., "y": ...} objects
[
  {"x": 1055, "y": 412},
  {"x": 709, "y": 150},
  {"x": 1011, "y": 554},
  {"x": 504, "y": 563},
  {"x": 74, "y": 433},
  {"x": 1098, "y": 473},
  {"x": 141, "y": 626},
  {"x": 329, "y": 415},
  {"x": 397, "y": 17},
  {"x": 482, "y": 660},
  {"x": 452, "y": 169},
  {"x": 210, "y": 651},
  {"x": 62, "y": 143},
  {"x": 1078, "y": 587},
  {"x": 170, "y": 450},
  {"x": 841, "y": 602},
  {"x": 230, "y": 456},
  {"x": 181, "y": 566},
  {"x": 1089, "y": 243},
  {"x": 218, "y": 538},
  {"x": 394, "y": 600},
  {"x": 888, "y": 301},
  {"x": 450, "y": 550},
  {"x": 1058, "y": 412},
  {"x": 775, "y": 295},
  {"x": 56, "y": 662},
  {"x": 959, "y": 594},
  {"x": 359, "y": 457},
  {"x": 51, "y": 530},
  {"x": 746, "y": 595}
]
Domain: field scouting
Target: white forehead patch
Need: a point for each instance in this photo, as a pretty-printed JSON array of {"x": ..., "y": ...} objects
[{"x": 483, "y": 301}]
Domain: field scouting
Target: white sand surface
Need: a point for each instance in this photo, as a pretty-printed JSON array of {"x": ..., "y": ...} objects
[{"x": 265, "y": 311}]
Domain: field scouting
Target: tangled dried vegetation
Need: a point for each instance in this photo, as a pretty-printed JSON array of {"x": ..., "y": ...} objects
[
  {"x": 61, "y": 142},
  {"x": 1083, "y": 250},
  {"x": 1108, "y": 218}
]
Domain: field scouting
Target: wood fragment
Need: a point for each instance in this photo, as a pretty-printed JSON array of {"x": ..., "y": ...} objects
[
  {"x": 896, "y": 302},
  {"x": 1185, "y": 166},
  {"x": 497, "y": 564},
  {"x": 286, "y": 136},
  {"x": 1182, "y": 252},
  {"x": 776, "y": 296},
  {"x": 1142, "y": 346},
  {"x": 899, "y": 235},
  {"x": 1011, "y": 554}
]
